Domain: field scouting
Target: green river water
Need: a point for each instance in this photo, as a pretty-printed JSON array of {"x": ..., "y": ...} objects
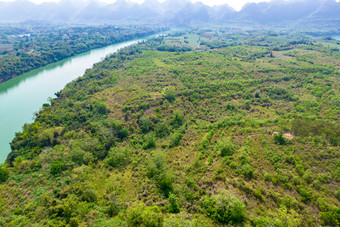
[{"x": 22, "y": 96}]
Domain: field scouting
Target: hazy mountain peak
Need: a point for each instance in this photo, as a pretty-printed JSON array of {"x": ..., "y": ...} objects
[{"x": 154, "y": 11}]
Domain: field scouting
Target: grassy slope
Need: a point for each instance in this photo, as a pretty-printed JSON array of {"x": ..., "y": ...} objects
[{"x": 226, "y": 100}]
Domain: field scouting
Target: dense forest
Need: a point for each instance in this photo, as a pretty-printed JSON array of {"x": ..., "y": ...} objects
[
  {"x": 23, "y": 49},
  {"x": 206, "y": 128}
]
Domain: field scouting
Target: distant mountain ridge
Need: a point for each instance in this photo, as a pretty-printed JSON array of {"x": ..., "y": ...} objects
[{"x": 176, "y": 12}]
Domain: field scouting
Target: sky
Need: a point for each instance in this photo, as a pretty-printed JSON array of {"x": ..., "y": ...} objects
[{"x": 236, "y": 4}]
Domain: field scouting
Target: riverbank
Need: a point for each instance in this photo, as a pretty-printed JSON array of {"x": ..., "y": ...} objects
[
  {"x": 24, "y": 95},
  {"x": 24, "y": 54}
]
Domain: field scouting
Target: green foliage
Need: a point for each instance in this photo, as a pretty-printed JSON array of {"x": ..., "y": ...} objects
[
  {"x": 279, "y": 93},
  {"x": 337, "y": 194},
  {"x": 118, "y": 156},
  {"x": 123, "y": 133},
  {"x": 162, "y": 129},
  {"x": 247, "y": 171},
  {"x": 226, "y": 148},
  {"x": 225, "y": 208},
  {"x": 3, "y": 173},
  {"x": 101, "y": 108},
  {"x": 170, "y": 95},
  {"x": 56, "y": 167},
  {"x": 228, "y": 102},
  {"x": 279, "y": 139},
  {"x": 331, "y": 218},
  {"x": 173, "y": 206},
  {"x": 175, "y": 139},
  {"x": 305, "y": 128},
  {"x": 149, "y": 141},
  {"x": 49, "y": 45},
  {"x": 157, "y": 170},
  {"x": 141, "y": 215},
  {"x": 145, "y": 124},
  {"x": 177, "y": 120}
]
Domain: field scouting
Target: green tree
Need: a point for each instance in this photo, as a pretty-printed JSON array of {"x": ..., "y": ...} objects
[
  {"x": 56, "y": 168},
  {"x": 173, "y": 206},
  {"x": 3, "y": 173}
]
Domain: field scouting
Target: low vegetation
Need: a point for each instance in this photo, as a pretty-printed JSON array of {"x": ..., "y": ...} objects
[{"x": 151, "y": 137}]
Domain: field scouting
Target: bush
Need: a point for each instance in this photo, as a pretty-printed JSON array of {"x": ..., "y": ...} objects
[
  {"x": 247, "y": 171},
  {"x": 165, "y": 182},
  {"x": 170, "y": 95},
  {"x": 177, "y": 120},
  {"x": 157, "y": 165},
  {"x": 279, "y": 139},
  {"x": 279, "y": 93},
  {"x": 102, "y": 109},
  {"x": 225, "y": 208},
  {"x": 3, "y": 173},
  {"x": 227, "y": 149},
  {"x": 175, "y": 139},
  {"x": 331, "y": 218},
  {"x": 141, "y": 215},
  {"x": 118, "y": 156},
  {"x": 123, "y": 133},
  {"x": 145, "y": 124},
  {"x": 56, "y": 168},
  {"x": 162, "y": 130},
  {"x": 173, "y": 206},
  {"x": 149, "y": 142},
  {"x": 337, "y": 194}
]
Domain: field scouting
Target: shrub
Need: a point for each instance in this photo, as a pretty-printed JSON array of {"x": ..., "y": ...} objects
[
  {"x": 246, "y": 105},
  {"x": 145, "y": 124},
  {"x": 337, "y": 194},
  {"x": 141, "y": 215},
  {"x": 173, "y": 206},
  {"x": 279, "y": 93},
  {"x": 102, "y": 109},
  {"x": 56, "y": 168},
  {"x": 170, "y": 95},
  {"x": 279, "y": 139},
  {"x": 305, "y": 195},
  {"x": 225, "y": 208},
  {"x": 227, "y": 149},
  {"x": 267, "y": 177},
  {"x": 331, "y": 218},
  {"x": 162, "y": 130},
  {"x": 157, "y": 165},
  {"x": 165, "y": 182},
  {"x": 3, "y": 173},
  {"x": 175, "y": 139},
  {"x": 118, "y": 156},
  {"x": 149, "y": 142},
  {"x": 77, "y": 155},
  {"x": 177, "y": 120},
  {"x": 123, "y": 133},
  {"x": 247, "y": 171}
]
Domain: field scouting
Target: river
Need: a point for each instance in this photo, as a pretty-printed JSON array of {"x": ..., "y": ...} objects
[{"x": 22, "y": 96}]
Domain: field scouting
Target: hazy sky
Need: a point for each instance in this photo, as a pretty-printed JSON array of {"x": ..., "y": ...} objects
[{"x": 236, "y": 4}]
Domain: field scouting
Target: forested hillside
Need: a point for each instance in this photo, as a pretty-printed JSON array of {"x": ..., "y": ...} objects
[
  {"x": 32, "y": 46},
  {"x": 203, "y": 129}
]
